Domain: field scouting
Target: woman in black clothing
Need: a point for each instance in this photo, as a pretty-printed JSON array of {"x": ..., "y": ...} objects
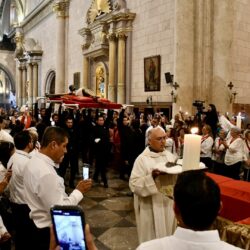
[{"x": 211, "y": 118}]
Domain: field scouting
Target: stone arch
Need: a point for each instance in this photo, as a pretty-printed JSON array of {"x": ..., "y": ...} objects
[
  {"x": 8, "y": 90},
  {"x": 10, "y": 76},
  {"x": 50, "y": 82}
]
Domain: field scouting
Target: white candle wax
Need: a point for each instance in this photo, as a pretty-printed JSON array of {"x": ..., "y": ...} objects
[
  {"x": 191, "y": 154},
  {"x": 238, "y": 121}
]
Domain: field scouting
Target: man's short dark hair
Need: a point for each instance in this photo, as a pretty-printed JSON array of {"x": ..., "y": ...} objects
[
  {"x": 197, "y": 197},
  {"x": 56, "y": 134},
  {"x": 22, "y": 139}
]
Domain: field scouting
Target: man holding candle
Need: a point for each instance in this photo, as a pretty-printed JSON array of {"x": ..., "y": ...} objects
[{"x": 153, "y": 210}]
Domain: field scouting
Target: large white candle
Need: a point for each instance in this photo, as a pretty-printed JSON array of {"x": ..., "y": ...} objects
[
  {"x": 238, "y": 120},
  {"x": 192, "y": 148}
]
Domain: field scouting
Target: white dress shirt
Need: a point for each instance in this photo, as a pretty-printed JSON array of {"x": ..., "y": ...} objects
[
  {"x": 186, "y": 239},
  {"x": 235, "y": 151},
  {"x": 18, "y": 161},
  {"x": 3, "y": 229},
  {"x": 44, "y": 188},
  {"x": 206, "y": 147},
  {"x": 5, "y": 136}
]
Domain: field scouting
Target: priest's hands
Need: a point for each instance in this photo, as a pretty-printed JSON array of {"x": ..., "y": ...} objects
[{"x": 156, "y": 173}]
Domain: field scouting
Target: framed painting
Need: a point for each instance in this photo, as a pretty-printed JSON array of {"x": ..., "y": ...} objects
[{"x": 152, "y": 73}]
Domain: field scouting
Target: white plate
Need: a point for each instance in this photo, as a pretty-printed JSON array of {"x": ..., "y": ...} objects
[{"x": 175, "y": 169}]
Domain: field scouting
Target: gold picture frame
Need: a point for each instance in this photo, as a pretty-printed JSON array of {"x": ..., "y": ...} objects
[{"x": 152, "y": 73}]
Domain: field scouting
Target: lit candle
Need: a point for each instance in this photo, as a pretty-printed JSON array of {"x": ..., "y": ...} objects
[
  {"x": 186, "y": 113},
  {"x": 192, "y": 148},
  {"x": 238, "y": 121},
  {"x": 180, "y": 109}
]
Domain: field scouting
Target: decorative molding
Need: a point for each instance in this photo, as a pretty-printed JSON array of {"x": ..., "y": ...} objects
[
  {"x": 61, "y": 8},
  {"x": 97, "y": 9},
  {"x": 37, "y": 15},
  {"x": 121, "y": 36},
  {"x": 112, "y": 37}
]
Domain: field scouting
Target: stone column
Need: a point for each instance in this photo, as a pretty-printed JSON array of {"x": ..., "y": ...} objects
[
  {"x": 112, "y": 64},
  {"x": 184, "y": 54},
  {"x": 24, "y": 85},
  {"x": 19, "y": 93},
  {"x": 121, "y": 98},
  {"x": 35, "y": 81},
  {"x": 222, "y": 61},
  {"x": 61, "y": 8},
  {"x": 30, "y": 84},
  {"x": 198, "y": 50},
  {"x": 203, "y": 50},
  {"x": 85, "y": 72}
]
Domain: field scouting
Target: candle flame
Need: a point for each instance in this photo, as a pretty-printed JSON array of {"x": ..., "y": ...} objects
[
  {"x": 194, "y": 130},
  {"x": 186, "y": 113}
]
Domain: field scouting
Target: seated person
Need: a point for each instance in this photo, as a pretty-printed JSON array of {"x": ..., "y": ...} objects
[{"x": 196, "y": 205}]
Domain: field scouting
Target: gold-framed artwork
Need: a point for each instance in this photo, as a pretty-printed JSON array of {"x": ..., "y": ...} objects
[{"x": 152, "y": 73}]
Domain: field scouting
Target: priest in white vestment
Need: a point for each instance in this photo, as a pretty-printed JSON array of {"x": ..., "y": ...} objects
[{"x": 153, "y": 211}]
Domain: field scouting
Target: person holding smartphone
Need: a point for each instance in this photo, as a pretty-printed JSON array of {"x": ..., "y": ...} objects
[
  {"x": 88, "y": 236},
  {"x": 44, "y": 188}
]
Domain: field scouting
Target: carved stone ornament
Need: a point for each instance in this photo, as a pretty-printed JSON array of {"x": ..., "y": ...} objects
[
  {"x": 61, "y": 8},
  {"x": 98, "y": 8},
  {"x": 19, "y": 45}
]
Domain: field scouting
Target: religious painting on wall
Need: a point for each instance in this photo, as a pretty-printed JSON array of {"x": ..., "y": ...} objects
[
  {"x": 100, "y": 82},
  {"x": 152, "y": 73}
]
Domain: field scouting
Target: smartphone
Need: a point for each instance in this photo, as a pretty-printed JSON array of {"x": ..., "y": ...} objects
[
  {"x": 85, "y": 173},
  {"x": 69, "y": 224}
]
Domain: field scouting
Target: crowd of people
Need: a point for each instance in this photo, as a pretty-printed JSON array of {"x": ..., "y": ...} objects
[{"x": 37, "y": 147}]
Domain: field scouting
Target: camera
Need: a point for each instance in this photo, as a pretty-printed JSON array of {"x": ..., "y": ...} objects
[{"x": 199, "y": 105}]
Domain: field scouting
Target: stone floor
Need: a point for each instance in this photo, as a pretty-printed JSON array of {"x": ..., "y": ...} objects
[{"x": 110, "y": 214}]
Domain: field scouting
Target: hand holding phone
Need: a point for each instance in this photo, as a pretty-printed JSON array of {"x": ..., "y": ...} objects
[
  {"x": 69, "y": 223},
  {"x": 84, "y": 185},
  {"x": 85, "y": 171}
]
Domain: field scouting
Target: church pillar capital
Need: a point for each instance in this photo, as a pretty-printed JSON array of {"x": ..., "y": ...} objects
[{"x": 61, "y": 8}]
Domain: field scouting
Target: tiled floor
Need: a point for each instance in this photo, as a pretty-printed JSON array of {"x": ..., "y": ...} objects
[{"x": 110, "y": 214}]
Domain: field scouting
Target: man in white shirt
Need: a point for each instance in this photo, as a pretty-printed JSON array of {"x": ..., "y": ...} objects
[
  {"x": 153, "y": 211},
  {"x": 196, "y": 205},
  {"x": 4, "y": 136},
  {"x": 44, "y": 188},
  {"x": 20, "y": 210}
]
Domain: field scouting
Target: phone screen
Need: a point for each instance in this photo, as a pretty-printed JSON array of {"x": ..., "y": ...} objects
[
  {"x": 85, "y": 173},
  {"x": 69, "y": 227}
]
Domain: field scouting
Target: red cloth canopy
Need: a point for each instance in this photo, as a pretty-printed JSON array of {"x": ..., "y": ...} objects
[{"x": 87, "y": 102}]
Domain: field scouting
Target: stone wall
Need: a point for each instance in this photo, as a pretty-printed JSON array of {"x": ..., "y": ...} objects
[
  {"x": 77, "y": 20},
  {"x": 44, "y": 34},
  {"x": 153, "y": 34},
  {"x": 241, "y": 51}
]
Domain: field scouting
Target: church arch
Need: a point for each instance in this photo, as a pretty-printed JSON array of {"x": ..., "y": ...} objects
[{"x": 50, "y": 82}]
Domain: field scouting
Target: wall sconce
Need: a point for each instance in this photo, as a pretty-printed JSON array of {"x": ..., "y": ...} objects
[
  {"x": 149, "y": 100},
  {"x": 232, "y": 94}
]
